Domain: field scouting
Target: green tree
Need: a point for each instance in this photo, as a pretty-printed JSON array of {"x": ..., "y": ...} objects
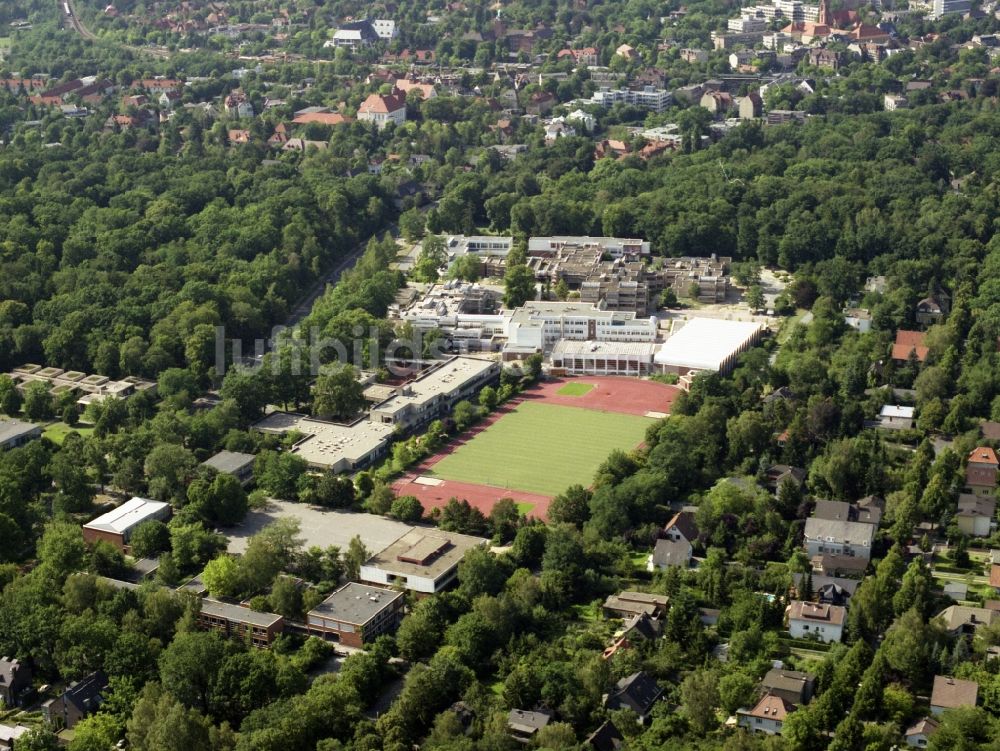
[
  {"x": 406, "y": 508},
  {"x": 286, "y": 597},
  {"x": 189, "y": 666},
  {"x": 700, "y": 698},
  {"x": 519, "y": 286},
  {"x": 38, "y": 404},
  {"x": 168, "y": 469},
  {"x": 224, "y": 577},
  {"x": 220, "y": 499},
  {"x": 10, "y": 397},
  {"x": 755, "y": 297},
  {"x": 355, "y": 556},
  {"x": 338, "y": 394}
]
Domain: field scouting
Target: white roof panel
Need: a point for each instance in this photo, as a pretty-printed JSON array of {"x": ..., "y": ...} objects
[{"x": 706, "y": 343}]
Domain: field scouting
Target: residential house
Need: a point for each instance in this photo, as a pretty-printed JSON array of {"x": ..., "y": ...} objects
[
  {"x": 9, "y": 735},
  {"x": 791, "y": 685},
  {"x": 606, "y": 738},
  {"x": 354, "y": 35},
  {"x": 909, "y": 344},
  {"x": 169, "y": 99},
  {"x": 995, "y": 576},
  {"x": 952, "y": 693},
  {"x": 236, "y": 104},
  {"x": 540, "y": 103},
  {"x": 238, "y": 136},
  {"x": 356, "y": 614},
  {"x": 15, "y": 681},
  {"x": 682, "y": 527},
  {"x": 766, "y": 716},
  {"x": 833, "y": 590},
  {"x": 839, "y": 537},
  {"x": 15, "y": 433},
  {"x": 524, "y": 725},
  {"x": 830, "y": 564},
  {"x": 234, "y": 463},
  {"x": 717, "y": 102},
  {"x": 638, "y": 692},
  {"x": 80, "y": 699},
  {"x": 965, "y": 620},
  {"x": 893, "y": 102},
  {"x": 975, "y": 515},
  {"x": 932, "y": 309},
  {"x": 981, "y": 472},
  {"x": 776, "y": 474},
  {"x": 324, "y": 117},
  {"x": 858, "y": 319},
  {"x": 896, "y": 417},
  {"x": 809, "y": 619},
  {"x": 282, "y": 133},
  {"x": 385, "y": 28},
  {"x": 628, "y": 604},
  {"x": 918, "y": 735},
  {"x": 751, "y": 106},
  {"x": 406, "y": 85},
  {"x": 640, "y": 627},
  {"x": 668, "y": 554},
  {"x": 825, "y": 58},
  {"x": 384, "y": 110}
]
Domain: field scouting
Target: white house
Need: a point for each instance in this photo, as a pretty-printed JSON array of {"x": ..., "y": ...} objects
[
  {"x": 918, "y": 735},
  {"x": 839, "y": 537},
  {"x": 810, "y": 619},
  {"x": 858, "y": 319},
  {"x": 975, "y": 515},
  {"x": 767, "y": 716},
  {"x": 896, "y": 417},
  {"x": 384, "y": 110},
  {"x": 385, "y": 28}
]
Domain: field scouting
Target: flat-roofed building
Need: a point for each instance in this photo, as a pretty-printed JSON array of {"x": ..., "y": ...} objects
[
  {"x": 356, "y": 614},
  {"x": 329, "y": 445},
  {"x": 90, "y": 389},
  {"x": 424, "y": 560},
  {"x": 237, "y": 622},
  {"x": 707, "y": 344},
  {"x": 602, "y": 358},
  {"x": 539, "y": 325},
  {"x": 234, "y": 463},
  {"x": 15, "y": 433},
  {"x": 616, "y": 247},
  {"x": 435, "y": 391},
  {"x": 117, "y": 525}
]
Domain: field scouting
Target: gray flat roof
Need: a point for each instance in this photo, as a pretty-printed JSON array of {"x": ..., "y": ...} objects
[
  {"x": 229, "y": 462},
  {"x": 424, "y": 551},
  {"x": 322, "y": 527},
  {"x": 11, "y": 429},
  {"x": 238, "y": 613},
  {"x": 356, "y": 603}
]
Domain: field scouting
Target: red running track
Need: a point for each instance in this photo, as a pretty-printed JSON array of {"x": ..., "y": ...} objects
[{"x": 610, "y": 394}]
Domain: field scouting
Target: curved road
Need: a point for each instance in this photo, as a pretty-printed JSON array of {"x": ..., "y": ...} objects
[{"x": 74, "y": 22}]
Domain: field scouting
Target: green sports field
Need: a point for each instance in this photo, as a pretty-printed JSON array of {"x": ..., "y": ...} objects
[
  {"x": 542, "y": 448},
  {"x": 575, "y": 389}
]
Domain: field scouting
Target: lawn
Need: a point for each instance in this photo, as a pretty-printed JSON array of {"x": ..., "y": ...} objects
[
  {"x": 57, "y": 432},
  {"x": 575, "y": 389},
  {"x": 542, "y": 448}
]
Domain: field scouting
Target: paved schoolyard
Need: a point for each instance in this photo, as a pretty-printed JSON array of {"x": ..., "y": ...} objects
[{"x": 319, "y": 526}]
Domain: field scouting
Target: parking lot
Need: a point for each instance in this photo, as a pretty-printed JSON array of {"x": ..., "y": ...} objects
[{"x": 319, "y": 526}]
